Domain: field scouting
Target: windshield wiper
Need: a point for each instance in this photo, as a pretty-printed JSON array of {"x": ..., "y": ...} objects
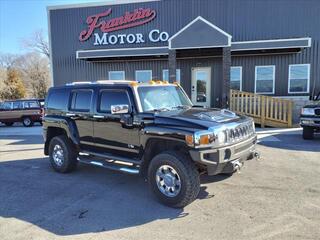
[
  {"x": 181, "y": 107},
  {"x": 160, "y": 109}
]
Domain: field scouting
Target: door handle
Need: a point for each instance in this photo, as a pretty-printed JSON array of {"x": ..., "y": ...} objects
[
  {"x": 98, "y": 116},
  {"x": 70, "y": 114}
]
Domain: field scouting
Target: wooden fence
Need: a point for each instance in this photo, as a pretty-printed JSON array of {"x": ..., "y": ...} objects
[{"x": 265, "y": 110}]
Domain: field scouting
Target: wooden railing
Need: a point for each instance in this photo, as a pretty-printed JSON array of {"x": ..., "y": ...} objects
[{"x": 265, "y": 110}]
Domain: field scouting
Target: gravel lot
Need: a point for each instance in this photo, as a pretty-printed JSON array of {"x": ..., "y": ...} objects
[{"x": 277, "y": 197}]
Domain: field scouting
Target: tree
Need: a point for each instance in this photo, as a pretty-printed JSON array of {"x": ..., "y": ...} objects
[
  {"x": 38, "y": 43},
  {"x": 13, "y": 86}
]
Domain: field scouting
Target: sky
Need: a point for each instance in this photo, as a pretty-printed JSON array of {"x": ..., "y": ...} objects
[{"x": 20, "y": 18}]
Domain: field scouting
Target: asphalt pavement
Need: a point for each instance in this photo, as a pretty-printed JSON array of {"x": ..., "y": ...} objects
[{"x": 276, "y": 197}]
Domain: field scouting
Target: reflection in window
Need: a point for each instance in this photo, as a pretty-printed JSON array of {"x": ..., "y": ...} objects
[
  {"x": 143, "y": 75},
  {"x": 264, "y": 79},
  {"x": 299, "y": 76},
  {"x": 165, "y": 75},
  {"x": 236, "y": 78},
  {"x": 116, "y": 75},
  {"x": 201, "y": 77}
]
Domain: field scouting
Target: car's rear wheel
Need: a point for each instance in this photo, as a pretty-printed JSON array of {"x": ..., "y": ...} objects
[
  {"x": 27, "y": 122},
  {"x": 174, "y": 179},
  {"x": 308, "y": 133},
  {"x": 62, "y": 154},
  {"x": 8, "y": 124}
]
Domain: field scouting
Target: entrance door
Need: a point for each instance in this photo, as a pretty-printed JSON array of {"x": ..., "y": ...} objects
[{"x": 201, "y": 86}]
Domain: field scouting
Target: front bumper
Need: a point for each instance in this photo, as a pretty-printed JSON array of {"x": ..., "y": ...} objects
[
  {"x": 225, "y": 159},
  {"x": 310, "y": 122}
]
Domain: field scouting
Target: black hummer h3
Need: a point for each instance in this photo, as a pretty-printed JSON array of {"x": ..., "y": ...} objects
[
  {"x": 310, "y": 117},
  {"x": 147, "y": 128}
]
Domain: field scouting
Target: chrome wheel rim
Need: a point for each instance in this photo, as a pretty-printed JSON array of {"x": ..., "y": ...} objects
[
  {"x": 57, "y": 155},
  {"x": 27, "y": 121},
  {"x": 168, "y": 181}
]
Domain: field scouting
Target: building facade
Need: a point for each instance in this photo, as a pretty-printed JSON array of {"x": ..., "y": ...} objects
[{"x": 208, "y": 46}]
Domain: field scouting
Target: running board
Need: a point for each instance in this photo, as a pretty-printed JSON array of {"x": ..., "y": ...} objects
[
  {"x": 111, "y": 164},
  {"x": 113, "y": 157}
]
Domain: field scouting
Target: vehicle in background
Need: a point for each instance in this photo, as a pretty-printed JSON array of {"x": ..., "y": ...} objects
[
  {"x": 27, "y": 111},
  {"x": 150, "y": 129},
  {"x": 310, "y": 117}
]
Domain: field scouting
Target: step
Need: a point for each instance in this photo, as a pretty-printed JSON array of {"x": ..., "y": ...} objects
[
  {"x": 113, "y": 157},
  {"x": 109, "y": 164}
]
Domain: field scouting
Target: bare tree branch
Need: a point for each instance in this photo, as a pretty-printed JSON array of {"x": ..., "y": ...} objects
[{"x": 37, "y": 42}]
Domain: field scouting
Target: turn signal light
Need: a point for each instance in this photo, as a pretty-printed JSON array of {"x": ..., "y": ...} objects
[
  {"x": 204, "y": 140},
  {"x": 189, "y": 140}
]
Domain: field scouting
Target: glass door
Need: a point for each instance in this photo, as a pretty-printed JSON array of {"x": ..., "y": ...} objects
[{"x": 201, "y": 87}]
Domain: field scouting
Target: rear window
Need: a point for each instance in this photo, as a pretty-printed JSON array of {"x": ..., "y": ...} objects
[
  {"x": 81, "y": 100},
  {"x": 58, "y": 99},
  {"x": 112, "y": 97}
]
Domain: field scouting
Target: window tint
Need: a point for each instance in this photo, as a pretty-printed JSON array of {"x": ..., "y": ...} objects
[
  {"x": 31, "y": 104},
  {"x": 265, "y": 79},
  {"x": 116, "y": 75},
  {"x": 58, "y": 99},
  {"x": 112, "y": 97},
  {"x": 165, "y": 75},
  {"x": 81, "y": 100},
  {"x": 143, "y": 75},
  {"x": 299, "y": 75},
  {"x": 6, "y": 106},
  {"x": 236, "y": 78},
  {"x": 17, "y": 105}
]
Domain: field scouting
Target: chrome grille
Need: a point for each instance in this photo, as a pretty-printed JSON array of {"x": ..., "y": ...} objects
[{"x": 240, "y": 132}]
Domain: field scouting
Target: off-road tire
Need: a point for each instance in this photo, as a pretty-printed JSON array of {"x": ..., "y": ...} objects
[
  {"x": 70, "y": 154},
  {"x": 188, "y": 173},
  {"x": 307, "y": 133},
  {"x": 9, "y": 124},
  {"x": 27, "y": 122}
]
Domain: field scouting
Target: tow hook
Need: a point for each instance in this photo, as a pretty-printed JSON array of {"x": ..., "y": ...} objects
[
  {"x": 236, "y": 165},
  {"x": 254, "y": 155}
]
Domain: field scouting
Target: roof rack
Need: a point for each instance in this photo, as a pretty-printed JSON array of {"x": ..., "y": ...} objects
[{"x": 77, "y": 83}]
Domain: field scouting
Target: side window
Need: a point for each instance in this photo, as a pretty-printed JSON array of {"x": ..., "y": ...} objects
[
  {"x": 81, "y": 100},
  {"x": 16, "y": 105},
  {"x": 112, "y": 97},
  {"x": 6, "y": 106},
  {"x": 236, "y": 78},
  {"x": 31, "y": 104},
  {"x": 58, "y": 99}
]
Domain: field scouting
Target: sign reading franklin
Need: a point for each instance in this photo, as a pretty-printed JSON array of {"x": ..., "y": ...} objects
[{"x": 128, "y": 20}]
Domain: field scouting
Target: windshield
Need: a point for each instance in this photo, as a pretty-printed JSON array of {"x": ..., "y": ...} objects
[{"x": 158, "y": 98}]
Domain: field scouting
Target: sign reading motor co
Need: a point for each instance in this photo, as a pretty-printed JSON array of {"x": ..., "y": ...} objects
[{"x": 129, "y": 20}]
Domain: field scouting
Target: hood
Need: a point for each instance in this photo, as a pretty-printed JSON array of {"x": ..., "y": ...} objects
[{"x": 201, "y": 118}]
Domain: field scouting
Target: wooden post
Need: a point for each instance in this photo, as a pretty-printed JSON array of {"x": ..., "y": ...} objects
[
  {"x": 290, "y": 114},
  {"x": 263, "y": 111}
]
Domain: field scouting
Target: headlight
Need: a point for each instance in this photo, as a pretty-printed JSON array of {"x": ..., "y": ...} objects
[
  {"x": 307, "y": 111},
  {"x": 221, "y": 137},
  {"x": 200, "y": 138}
]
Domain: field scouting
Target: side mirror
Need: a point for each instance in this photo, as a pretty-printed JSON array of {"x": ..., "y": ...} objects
[{"x": 119, "y": 109}]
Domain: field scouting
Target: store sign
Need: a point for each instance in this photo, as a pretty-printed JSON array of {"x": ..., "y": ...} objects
[{"x": 129, "y": 20}]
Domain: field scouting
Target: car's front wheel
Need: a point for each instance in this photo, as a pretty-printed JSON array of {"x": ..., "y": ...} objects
[
  {"x": 308, "y": 133},
  {"x": 174, "y": 179},
  {"x": 62, "y": 154}
]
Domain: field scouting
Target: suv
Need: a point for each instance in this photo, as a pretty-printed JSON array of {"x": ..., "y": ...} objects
[
  {"x": 310, "y": 118},
  {"x": 26, "y": 111},
  {"x": 150, "y": 129}
]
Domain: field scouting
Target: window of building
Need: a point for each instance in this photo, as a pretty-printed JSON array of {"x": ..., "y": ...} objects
[
  {"x": 81, "y": 100},
  {"x": 109, "y": 98},
  {"x": 264, "y": 79},
  {"x": 165, "y": 75},
  {"x": 299, "y": 78},
  {"x": 117, "y": 75},
  {"x": 236, "y": 78},
  {"x": 143, "y": 75}
]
